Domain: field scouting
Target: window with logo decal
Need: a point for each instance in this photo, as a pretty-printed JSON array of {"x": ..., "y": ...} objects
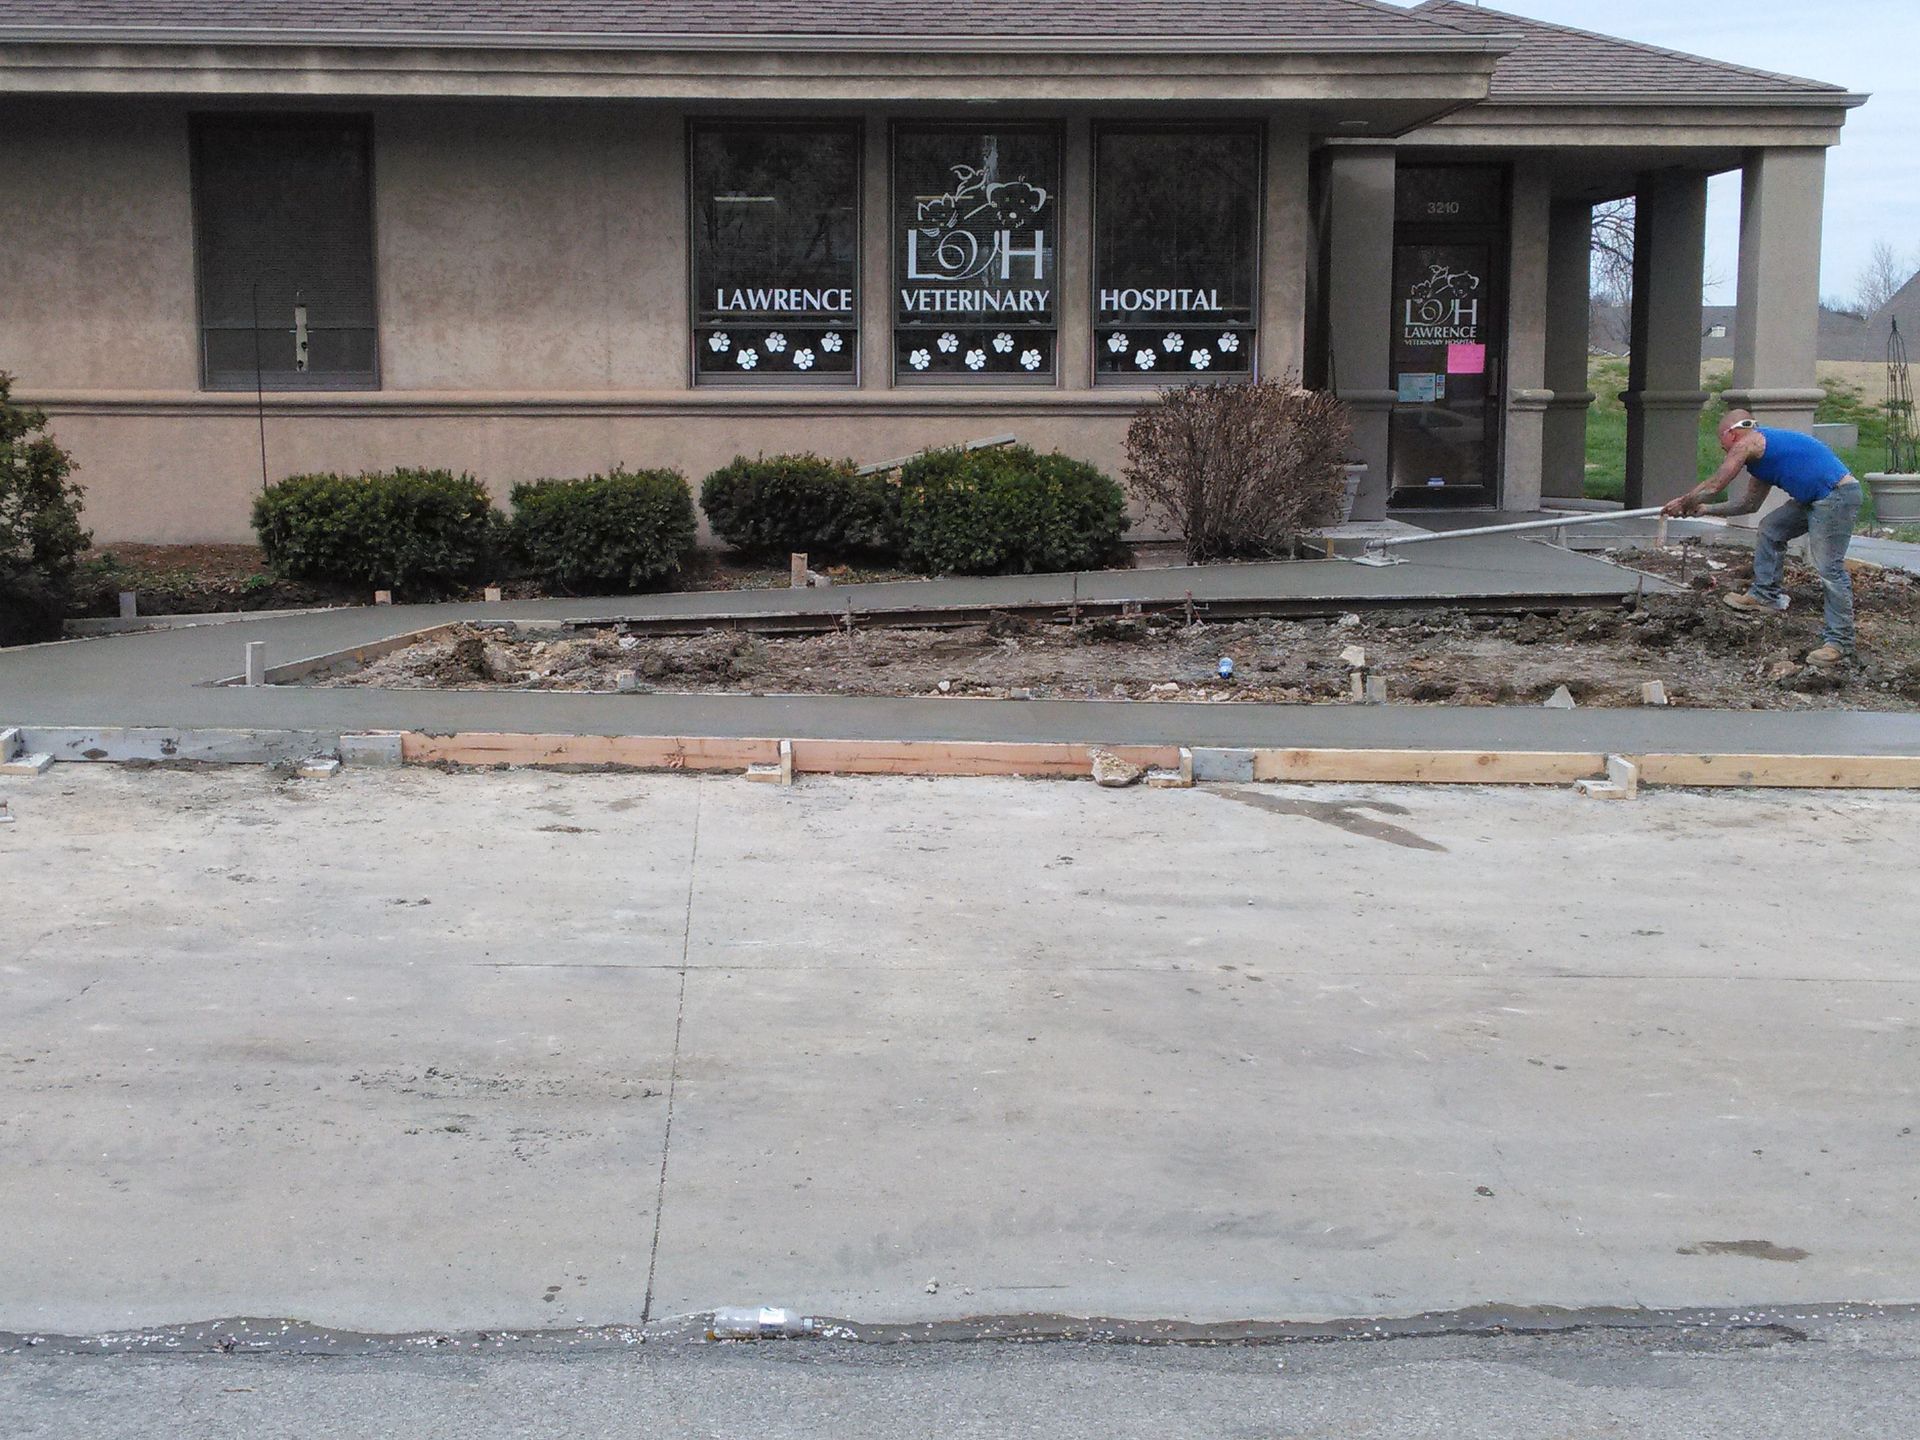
[
  {"x": 775, "y": 212},
  {"x": 1176, "y": 249},
  {"x": 976, "y": 225}
]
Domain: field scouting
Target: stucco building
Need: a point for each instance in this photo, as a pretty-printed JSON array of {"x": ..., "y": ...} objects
[{"x": 538, "y": 237}]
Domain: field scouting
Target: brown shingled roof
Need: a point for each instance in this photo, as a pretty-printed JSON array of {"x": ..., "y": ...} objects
[
  {"x": 1558, "y": 62},
  {"x": 1304, "y": 20}
]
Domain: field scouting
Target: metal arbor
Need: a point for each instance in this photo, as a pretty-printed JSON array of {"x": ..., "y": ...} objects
[{"x": 1903, "y": 445}]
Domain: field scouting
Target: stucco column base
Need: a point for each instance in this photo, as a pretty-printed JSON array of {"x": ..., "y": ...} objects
[
  {"x": 1563, "y": 445},
  {"x": 1372, "y": 421},
  {"x": 1663, "y": 428},
  {"x": 1525, "y": 448},
  {"x": 1782, "y": 409}
]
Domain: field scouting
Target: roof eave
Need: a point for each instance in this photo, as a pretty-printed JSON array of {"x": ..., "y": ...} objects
[
  {"x": 1494, "y": 45},
  {"x": 1815, "y": 99}
]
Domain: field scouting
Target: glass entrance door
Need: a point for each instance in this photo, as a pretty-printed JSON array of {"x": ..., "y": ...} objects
[{"x": 1448, "y": 318}]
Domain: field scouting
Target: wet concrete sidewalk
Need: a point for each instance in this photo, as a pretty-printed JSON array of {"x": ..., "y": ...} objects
[
  {"x": 164, "y": 679},
  {"x": 401, "y": 1051}
]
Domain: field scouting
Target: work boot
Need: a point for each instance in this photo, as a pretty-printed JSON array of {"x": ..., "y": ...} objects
[
  {"x": 1827, "y": 655},
  {"x": 1749, "y": 604}
]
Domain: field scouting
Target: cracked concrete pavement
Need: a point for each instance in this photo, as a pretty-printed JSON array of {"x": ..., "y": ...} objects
[{"x": 397, "y": 1051}]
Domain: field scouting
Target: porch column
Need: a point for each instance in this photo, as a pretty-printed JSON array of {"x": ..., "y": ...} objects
[
  {"x": 1563, "y": 459},
  {"x": 1360, "y": 307},
  {"x": 1527, "y": 393},
  {"x": 1286, "y": 240},
  {"x": 1777, "y": 328},
  {"x": 1663, "y": 396}
]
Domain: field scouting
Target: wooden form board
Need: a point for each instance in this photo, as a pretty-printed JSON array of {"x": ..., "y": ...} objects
[
  {"x": 818, "y": 757},
  {"x": 627, "y": 752},
  {"x": 1433, "y": 767},
  {"x": 966, "y": 757},
  {"x": 1811, "y": 772}
]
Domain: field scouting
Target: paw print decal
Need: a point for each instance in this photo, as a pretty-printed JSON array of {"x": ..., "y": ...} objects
[
  {"x": 776, "y": 343},
  {"x": 803, "y": 360},
  {"x": 747, "y": 359},
  {"x": 1145, "y": 359},
  {"x": 976, "y": 359},
  {"x": 719, "y": 342},
  {"x": 1117, "y": 344},
  {"x": 1030, "y": 359},
  {"x": 1174, "y": 344},
  {"x": 1003, "y": 343},
  {"x": 919, "y": 359},
  {"x": 831, "y": 342},
  {"x": 1229, "y": 343},
  {"x": 948, "y": 343},
  {"x": 1200, "y": 359}
]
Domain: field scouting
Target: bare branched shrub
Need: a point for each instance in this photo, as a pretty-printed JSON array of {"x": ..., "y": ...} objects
[{"x": 1240, "y": 470}]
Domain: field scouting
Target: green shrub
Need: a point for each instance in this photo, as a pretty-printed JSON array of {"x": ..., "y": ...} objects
[
  {"x": 1007, "y": 511},
  {"x": 775, "y": 505},
  {"x": 40, "y": 532},
  {"x": 395, "y": 529},
  {"x": 625, "y": 530}
]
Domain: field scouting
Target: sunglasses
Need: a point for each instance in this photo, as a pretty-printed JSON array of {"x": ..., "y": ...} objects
[{"x": 1744, "y": 425}]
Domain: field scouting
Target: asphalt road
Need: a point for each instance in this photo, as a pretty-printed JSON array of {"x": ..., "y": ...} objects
[{"x": 1794, "y": 1377}]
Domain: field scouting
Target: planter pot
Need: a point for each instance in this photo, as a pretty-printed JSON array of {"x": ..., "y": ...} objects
[{"x": 1896, "y": 499}]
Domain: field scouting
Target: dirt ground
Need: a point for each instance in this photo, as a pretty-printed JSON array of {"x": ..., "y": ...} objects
[{"x": 1704, "y": 654}]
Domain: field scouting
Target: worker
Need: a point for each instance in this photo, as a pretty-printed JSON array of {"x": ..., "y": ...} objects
[{"x": 1822, "y": 502}]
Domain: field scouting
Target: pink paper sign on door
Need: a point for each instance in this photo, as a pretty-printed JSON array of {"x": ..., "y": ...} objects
[{"x": 1466, "y": 359}]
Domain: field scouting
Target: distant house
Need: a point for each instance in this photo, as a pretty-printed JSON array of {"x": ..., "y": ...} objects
[{"x": 1844, "y": 334}]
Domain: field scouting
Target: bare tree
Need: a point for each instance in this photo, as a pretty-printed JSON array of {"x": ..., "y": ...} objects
[
  {"x": 1880, "y": 279},
  {"x": 1610, "y": 311},
  {"x": 1613, "y": 250}
]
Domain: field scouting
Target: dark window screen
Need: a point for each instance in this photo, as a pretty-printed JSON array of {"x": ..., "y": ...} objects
[
  {"x": 1176, "y": 246},
  {"x": 976, "y": 229},
  {"x": 283, "y": 213},
  {"x": 776, "y": 245}
]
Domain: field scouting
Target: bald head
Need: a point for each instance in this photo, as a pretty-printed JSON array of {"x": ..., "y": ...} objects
[{"x": 1735, "y": 426}]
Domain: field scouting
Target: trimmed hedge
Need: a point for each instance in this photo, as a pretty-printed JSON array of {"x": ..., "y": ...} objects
[
  {"x": 625, "y": 530},
  {"x": 775, "y": 505},
  {"x": 1006, "y": 511},
  {"x": 397, "y": 529}
]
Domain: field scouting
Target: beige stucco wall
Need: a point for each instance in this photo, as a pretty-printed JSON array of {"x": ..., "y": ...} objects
[
  {"x": 532, "y": 270},
  {"x": 96, "y": 247}
]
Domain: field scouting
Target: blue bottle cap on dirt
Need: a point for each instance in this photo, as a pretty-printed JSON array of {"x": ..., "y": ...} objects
[{"x": 1226, "y": 668}]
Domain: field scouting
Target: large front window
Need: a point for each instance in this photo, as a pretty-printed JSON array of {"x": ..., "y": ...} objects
[
  {"x": 1176, "y": 240},
  {"x": 776, "y": 245},
  {"x": 283, "y": 226},
  {"x": 976, "y": 228}
]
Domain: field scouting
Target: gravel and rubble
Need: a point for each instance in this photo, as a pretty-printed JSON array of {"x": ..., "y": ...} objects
[{"x": 1699, "y": 652}]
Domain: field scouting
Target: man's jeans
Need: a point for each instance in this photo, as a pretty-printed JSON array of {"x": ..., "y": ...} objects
[{"x": 1828, "y": 526}]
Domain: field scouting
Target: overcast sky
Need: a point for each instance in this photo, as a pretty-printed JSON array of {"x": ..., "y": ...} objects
[{"x": 1873, "y": 178}]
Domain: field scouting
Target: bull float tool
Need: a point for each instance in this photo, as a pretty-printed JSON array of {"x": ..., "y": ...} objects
[{"x": 1375, "y": 552}]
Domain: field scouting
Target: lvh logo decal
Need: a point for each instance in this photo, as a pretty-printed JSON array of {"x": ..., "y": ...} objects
[
  {"x": 983, "y": 247},
  {"x": 1443, "y": 308}
]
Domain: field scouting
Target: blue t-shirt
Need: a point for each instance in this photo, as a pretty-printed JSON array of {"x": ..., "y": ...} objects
[{"x": 1798, "y": 464}]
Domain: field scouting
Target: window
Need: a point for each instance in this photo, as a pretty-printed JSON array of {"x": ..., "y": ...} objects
[
  {"x": 1176, "y": 247},
  {"x": 776, "y": 249},
  {"x": 283, "y": 226},
  {"x": 976, "y": 222}
]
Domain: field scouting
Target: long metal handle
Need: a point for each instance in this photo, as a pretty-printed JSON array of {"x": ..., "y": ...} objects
[{"x": 1519, "y": 525}]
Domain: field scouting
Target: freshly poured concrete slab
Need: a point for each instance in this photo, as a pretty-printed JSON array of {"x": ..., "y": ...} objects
[
  {"x": 390, "y": 1052},
  {"x": 165, "y": 679}
]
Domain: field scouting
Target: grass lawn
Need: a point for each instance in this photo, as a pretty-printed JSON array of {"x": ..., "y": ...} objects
[{"x": 1607, "y": 428}]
